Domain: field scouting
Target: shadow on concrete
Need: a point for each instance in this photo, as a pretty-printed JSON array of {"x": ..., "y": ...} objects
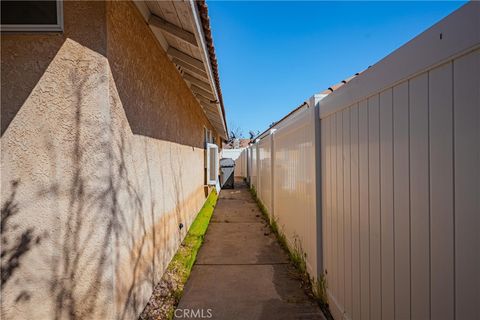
[{"x": 241, "y": 271}]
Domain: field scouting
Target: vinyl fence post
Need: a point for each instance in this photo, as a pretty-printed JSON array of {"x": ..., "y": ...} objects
[
  {"x": 272, "y": 172},
  {"x": 315, "y": 104}
]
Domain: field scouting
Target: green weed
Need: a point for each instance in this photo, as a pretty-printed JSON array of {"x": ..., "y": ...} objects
[{"x": 298, "y": 257}]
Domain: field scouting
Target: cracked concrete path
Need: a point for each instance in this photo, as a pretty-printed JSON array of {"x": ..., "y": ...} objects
[{"x": 241, "y": 271}]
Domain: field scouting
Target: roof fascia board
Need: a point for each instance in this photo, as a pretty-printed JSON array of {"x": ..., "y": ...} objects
[{"x": 201, "y": 37}]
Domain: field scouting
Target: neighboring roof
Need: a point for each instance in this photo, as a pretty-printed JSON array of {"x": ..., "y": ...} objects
[
  {"x": 183, "y": 30},
  {"x": 242, "y": 143},
  {"x": 337, "y": 86}
]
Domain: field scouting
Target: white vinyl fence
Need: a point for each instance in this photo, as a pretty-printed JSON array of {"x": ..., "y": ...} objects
[
  {"x": 400, "y": 162},
  {"x": 231, "y": 153},
  {"x": 283, "y": 174},
  {"x": 241, "y": 164},
  {"x": 240, "y": 158},
  {"x": 264, "y": 188},
  {"x": 254, "y": 165},
  {"x": 295, "y": 184},
  {"x": 396, "y": 223}
]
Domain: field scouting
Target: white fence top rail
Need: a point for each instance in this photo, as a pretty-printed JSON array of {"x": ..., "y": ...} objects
[
  {"x": 456, "y": 34},
  {"x": 231, "y": 153}
]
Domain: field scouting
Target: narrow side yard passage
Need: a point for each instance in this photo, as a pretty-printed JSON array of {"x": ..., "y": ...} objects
[{"x": 241, "y": 271}]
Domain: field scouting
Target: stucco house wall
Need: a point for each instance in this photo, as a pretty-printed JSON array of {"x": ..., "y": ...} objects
[{"x": 102, "y": 158}]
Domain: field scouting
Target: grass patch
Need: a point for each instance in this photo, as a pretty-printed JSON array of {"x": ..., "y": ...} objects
[
  {"x": 168, "y": 292},
  {"x": 318, "y": 288},
  {"x": 184, "y": 259},
  {"x": 320, "y": 292}
]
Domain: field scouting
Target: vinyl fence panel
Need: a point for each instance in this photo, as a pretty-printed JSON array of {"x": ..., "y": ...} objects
[
  {"x": 240, "y": 163},
  {"x": 254, "y": 164},
  {"x": 265, "y": 173},
  {"x": 231, "y": 153},
  {"x": 249, "y": 164},
  {"x": 401, "y": 181},
  {"x": 466, "y": 115},
  {"x": 295, "y": 184}
]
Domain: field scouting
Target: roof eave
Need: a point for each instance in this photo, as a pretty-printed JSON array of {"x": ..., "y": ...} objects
[{"x": 202, "y": 28}]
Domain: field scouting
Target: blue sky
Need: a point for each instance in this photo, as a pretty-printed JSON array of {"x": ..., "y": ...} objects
[{"x": 274, "y": 55}]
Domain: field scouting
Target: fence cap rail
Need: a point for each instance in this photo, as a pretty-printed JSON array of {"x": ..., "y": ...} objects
[{"x": 453, "y": 36}]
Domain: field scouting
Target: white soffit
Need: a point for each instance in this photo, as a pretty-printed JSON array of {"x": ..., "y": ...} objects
[{"x": 178, "y": 29}]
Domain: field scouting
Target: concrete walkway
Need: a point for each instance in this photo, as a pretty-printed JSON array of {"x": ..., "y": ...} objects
[{"x": 241, "y": 271}]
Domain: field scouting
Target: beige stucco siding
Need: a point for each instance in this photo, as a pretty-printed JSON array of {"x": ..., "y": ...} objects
[
  {"x": 101, "y": 159},
  {"x": 26, "y": 56}
]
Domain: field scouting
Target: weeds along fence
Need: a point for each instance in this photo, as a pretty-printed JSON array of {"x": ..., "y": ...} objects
[
  {"x": 282, "y": 170},
  {"x": 388, "y": 207}
]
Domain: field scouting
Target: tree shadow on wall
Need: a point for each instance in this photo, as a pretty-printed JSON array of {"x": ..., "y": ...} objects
[
  {"x": 15, "y": 243},
  {"x": 103, "y": 220},
  {"x": 79, "y": 270}
]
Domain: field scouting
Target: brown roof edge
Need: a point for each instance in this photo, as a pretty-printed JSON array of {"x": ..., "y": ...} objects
[
  {"x": 337, "y": 86},
  {"x": 203, "y": 10}
]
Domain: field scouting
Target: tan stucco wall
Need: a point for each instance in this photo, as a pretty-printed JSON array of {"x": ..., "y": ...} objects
[
  {"x": 168, "y": 111},
  {"x": 25, "y": 56},
  {"x": 101, "y": 160}
]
